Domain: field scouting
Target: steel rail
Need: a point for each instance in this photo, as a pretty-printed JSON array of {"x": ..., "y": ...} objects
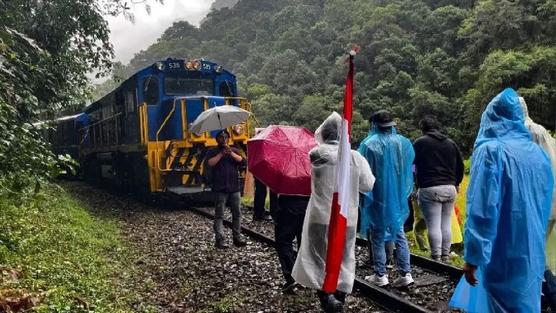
[
  {"x": 451, "y": 271},
  {"x": 382, "y": 297},
  {"x": 426, "y": 263}
]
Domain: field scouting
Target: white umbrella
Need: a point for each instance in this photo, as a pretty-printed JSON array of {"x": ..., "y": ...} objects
[{"x": 219, "y": 117}]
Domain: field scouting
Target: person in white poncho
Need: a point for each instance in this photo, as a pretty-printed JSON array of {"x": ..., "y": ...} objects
[
  {"x": 540, "y": 136},
  {"x": 309, "y": 268}
]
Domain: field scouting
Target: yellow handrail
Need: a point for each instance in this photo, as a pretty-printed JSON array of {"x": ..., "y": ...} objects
[
  {"x": 158, "y": 133},
  {"x": 143, "y": 123},
  {"x": 184, "y": 127},
  {"x": 166, "y": 120}
]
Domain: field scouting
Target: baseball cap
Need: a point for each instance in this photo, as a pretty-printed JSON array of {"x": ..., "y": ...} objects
[
  {"x": 223, "y": 132},
  {"x": 383, "y": 119}
]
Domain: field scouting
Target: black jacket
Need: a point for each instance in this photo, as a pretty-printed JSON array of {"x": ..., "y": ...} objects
[
  {"x": 292, "y": 205},
  {"x": 224, "y": 175},
  {"x": 437, "y": 160}
]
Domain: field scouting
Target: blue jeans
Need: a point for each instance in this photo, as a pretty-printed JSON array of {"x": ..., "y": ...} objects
[{"x": 379, "y": 255}]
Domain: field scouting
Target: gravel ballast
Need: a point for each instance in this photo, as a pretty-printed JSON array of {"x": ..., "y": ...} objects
[
  {"x": 431, "y": 290},
  {"x": 179, "y": 269}
]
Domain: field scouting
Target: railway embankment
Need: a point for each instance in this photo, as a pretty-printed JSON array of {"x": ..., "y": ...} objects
[{"x": 55, "y": 256}]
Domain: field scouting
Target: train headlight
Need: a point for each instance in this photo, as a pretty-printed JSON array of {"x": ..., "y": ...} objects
[
  {"x": 193, "y": 65},
  {"x": 197, "y": 65},
  {"x": 218, "y": 69},
  {"x": 238, "y": 129}
]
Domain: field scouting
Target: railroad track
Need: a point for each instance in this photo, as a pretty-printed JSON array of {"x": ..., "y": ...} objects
[
  {"x": 451, "y": 271},
  {"x": 434, "y": 281},
  {"x": 383, "y": 297},
  {"x": 426, "y": 263}
]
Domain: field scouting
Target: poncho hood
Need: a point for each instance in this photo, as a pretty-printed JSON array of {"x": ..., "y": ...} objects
[{"x": 502, "y": 119}]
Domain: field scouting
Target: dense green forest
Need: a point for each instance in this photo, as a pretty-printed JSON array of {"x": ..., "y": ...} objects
[
  {"x": 446, "y": 57},
  {"x": 418, "y": 57},
  {"x": 47, "y": 47}
]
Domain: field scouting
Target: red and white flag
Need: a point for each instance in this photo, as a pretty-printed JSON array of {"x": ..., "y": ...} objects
[{"x": 341, "y": 198}]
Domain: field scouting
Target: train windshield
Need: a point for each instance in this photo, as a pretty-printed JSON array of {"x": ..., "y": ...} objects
[{"x": 176, "y": 85}]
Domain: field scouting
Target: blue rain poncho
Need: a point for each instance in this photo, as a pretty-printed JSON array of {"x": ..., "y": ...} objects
[
  {"x": 390, "y": 156},
  {"x": 508, "y": 201}
]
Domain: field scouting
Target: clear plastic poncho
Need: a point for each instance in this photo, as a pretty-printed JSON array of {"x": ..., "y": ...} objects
[
  {"x": 390, "y": 156},
  {"x": 508, "y": 205},
  {"x": 309, "y": 268},
  {"x": 540, "y": 135}
]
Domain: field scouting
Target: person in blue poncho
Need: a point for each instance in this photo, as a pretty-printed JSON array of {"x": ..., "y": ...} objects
[
  {"x": 385, "y": 208},
  {"x": 508, "y": 201}
]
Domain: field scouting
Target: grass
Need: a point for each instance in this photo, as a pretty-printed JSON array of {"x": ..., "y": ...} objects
[
  {"x": 56, "y": 257},
  {"x": 454, "y": 260},
  {"x": 226, "y": 304}
]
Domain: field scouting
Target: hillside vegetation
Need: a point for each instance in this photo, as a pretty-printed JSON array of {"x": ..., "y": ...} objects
[
  {"x": 55, "y": 256},
  {"x": 417, "y": 57},
  {"x": 46, "y": 49}
]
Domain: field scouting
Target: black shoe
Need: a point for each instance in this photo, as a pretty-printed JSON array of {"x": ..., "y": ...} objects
[
  {"x": 289, "y": 286},
  {"x": 265, "y": 217},
  {"x": 220, "y": 244},
  {"x": 238, "y": 242},
  {"x": 333, "y": 305},
  {"x": 341, "y": 296}
]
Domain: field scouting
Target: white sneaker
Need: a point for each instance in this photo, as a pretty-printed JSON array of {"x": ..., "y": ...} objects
[
  {"x": 403, "y": 281},
  {"x": 380, "y": 281}
]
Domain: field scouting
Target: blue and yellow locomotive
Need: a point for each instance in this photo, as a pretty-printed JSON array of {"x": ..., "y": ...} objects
[{"x": 137, "y": 136}]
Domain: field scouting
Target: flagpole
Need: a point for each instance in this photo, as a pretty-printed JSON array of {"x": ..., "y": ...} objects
[{"x": 341, "y": 197}]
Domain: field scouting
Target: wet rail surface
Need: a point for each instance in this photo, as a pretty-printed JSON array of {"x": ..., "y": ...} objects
[{"x": 434, "y": 281}]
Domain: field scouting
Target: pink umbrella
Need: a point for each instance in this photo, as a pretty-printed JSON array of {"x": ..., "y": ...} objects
[{"x": 279, "y": 157}]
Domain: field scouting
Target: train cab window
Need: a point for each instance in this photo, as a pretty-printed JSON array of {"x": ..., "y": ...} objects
[
  {"x": 150, "y": 90},
  {"x": 226, "y": 89},
  {"x": 130, "y": 101},
  {"x": 176, "y": 85}
]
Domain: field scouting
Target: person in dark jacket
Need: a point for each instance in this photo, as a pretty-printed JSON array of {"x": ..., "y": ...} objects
[
  {"x": 259, "y": 212},
  {"x": 439, "y": 169},
  {"x": 289, "y": 225},
  {"x": 225, "y": 162}
]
